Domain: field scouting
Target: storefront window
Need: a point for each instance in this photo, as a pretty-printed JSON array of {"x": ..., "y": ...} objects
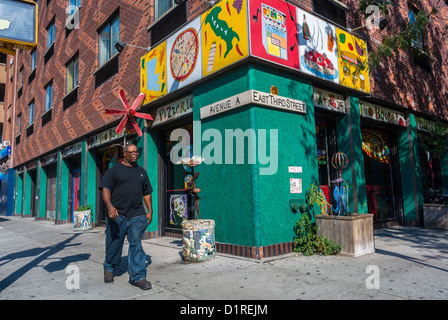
[
  {"x": 431, "y": 175},
  {"x": 376, "y": 145}
]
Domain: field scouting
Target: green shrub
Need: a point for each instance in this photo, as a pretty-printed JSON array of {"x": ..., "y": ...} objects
[
  {"x": 307, "y": 242},
  {"x": 84, "y": 208}
]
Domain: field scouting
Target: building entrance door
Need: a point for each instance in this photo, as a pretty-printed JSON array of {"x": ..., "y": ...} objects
[
  {"x": 382, "y": 174},
  {"x": 177, "y": 182}
]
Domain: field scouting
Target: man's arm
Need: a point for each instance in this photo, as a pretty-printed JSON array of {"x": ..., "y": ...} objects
[
  {"x": 148, "y": 203},
  {"x": 111, "y": 210}
]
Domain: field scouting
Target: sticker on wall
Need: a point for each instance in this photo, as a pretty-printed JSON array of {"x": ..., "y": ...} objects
[
  {"x": 295, "y": 185},
  {"x": 317, "y": 47},
  {"x": 353, "y": 64},
  {"x": 153, "y": 73},
  {"x": 184, "y": 57},
  {"x": 273, "y": 32},
  {"x": 224, "y": 35}
]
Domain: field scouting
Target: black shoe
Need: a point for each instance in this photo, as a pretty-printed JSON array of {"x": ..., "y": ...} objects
[
  {"x": 143, "y": 284},
  {"x": 108, "y": 276}
]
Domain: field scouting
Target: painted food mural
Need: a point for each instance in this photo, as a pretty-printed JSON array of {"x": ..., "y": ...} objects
[
  {"x": 353, "y": 65},
  {"x": 317, "y": 46}
]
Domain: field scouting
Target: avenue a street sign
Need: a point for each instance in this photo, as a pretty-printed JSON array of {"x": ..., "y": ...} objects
[{"x": 253, "y": 97}]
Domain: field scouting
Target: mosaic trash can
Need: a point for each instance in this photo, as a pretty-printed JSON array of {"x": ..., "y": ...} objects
[{"x": 198, "y": 240}]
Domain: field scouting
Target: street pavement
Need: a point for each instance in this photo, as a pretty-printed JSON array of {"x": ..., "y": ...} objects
[{"x": 43, "y": 261}]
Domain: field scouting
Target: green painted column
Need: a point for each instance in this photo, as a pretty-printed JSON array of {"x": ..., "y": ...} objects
[
  {"x": 42, "y": 191},
  {"x": 19, "y": 194},
  {"x": 412, "y": 188},
  {"x": 444, "y": 169},
  {"x": 27, "y": 195},
  {"x": 83, "y": 173},
  {"x": 90, "y": 183},
  {"x": 62, "y": 191},
  {"x": 350, "y": 142}
]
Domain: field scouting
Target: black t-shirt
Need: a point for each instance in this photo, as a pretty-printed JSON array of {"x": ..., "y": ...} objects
[{"x": 127, "y": 185}]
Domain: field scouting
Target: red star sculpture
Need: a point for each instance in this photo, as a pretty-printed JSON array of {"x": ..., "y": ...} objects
[{"x": 129, "y": 113}]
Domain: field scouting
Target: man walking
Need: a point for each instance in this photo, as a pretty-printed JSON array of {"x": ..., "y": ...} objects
[{"x": 123, "y": 187}]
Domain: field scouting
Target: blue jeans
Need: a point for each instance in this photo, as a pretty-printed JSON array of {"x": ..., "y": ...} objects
[{"x": 116, "y": 230}]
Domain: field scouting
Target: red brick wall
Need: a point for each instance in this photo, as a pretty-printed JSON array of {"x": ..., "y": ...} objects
[
  {"x": 87, "y": 114},
  {"x": 399, "y": 80}
]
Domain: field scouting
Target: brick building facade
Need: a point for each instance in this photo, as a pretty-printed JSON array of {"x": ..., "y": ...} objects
[{"x": 76, "y": 116}]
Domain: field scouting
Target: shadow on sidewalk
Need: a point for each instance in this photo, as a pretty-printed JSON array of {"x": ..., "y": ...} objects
[{"x": 41, "y": 254}]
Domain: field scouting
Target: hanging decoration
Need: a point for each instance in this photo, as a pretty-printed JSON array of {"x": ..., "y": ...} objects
[
  {"x": 129, "y": 113},
  {"x": 374, "y": 145}
]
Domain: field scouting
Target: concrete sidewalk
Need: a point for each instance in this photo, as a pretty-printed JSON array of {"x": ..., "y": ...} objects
[{"x": 38, "y": 260}]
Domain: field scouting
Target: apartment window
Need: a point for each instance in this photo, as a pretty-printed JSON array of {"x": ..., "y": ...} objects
[
  {"x": 74, "y": 4},
  {"x": 31, "y": 113},
  {"x": 167, "y": 22},
  {"x": 20, "y": 83},
  {"x": 72, "y": 71},
  {"x": 163, "y": 6},
  {"x": 19, "y": 123},
  {"x": 33, "y": 59},
  {"x": 30, "y": 127},
  {"x": 421, "y": 58},
  {"x": 49, "y": 96},
  {"x": 331, "y": 9},
  {"x": 21, "y": 77},
  {"x": 73, "y": 16},
  {"x": 108, "y": 35},
  {"x": 50, "y": 34},
  {"x": 33, "y": 65},
  {"x": 72, "y": 74}
]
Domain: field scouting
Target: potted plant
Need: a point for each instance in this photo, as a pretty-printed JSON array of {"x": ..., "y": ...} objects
[
  {"x": 353, "y": 231},
  {"x": 82, "y": 218}
]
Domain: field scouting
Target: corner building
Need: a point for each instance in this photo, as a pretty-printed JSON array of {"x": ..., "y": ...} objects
[{"x": 267, "y": 92}]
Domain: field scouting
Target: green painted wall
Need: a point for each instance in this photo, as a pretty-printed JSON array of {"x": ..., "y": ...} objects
[{"x": 249, "y": 208}]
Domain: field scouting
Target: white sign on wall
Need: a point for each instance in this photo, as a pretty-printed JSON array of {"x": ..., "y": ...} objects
[{"x": 253, "y": 97}]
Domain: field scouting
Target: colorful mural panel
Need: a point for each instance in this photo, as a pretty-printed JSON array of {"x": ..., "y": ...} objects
[
  {"x": 353, "y": 64},
  {"x": 153, "y": 80},
  {"x": 184, "y": 57},
  {"x": 224, "y": 35},
  {"x": 273, "y": 32},
  {"x": 317, "y": 46}
]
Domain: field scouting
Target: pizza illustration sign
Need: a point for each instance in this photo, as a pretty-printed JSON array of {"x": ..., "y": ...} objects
[
  {"x": 184, "y": 57},
  {"x": 184, "y": 54}
]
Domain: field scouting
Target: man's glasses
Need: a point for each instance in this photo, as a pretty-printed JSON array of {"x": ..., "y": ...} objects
[{"x": 133, "y": 152}]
